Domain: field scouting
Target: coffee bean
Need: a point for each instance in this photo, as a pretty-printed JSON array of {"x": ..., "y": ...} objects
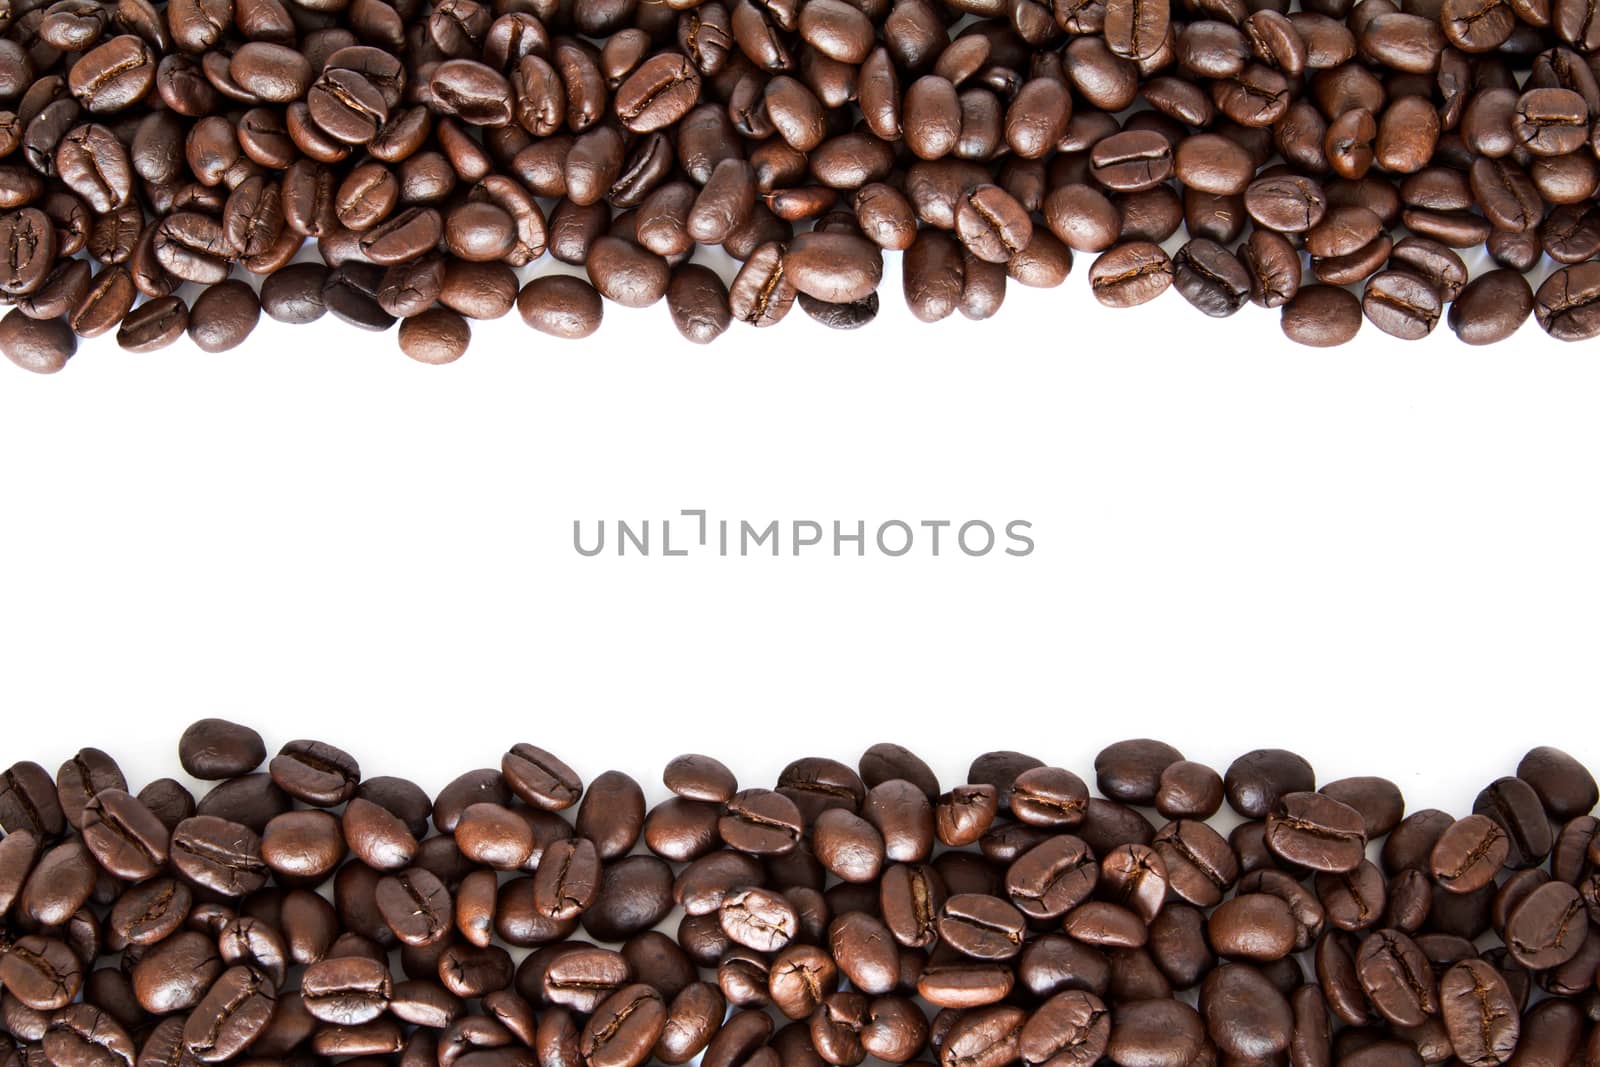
[
  {"x": 1188, "y": 790},
  {"x": 1286, "y": 204},
  {"x": 624, "y": 1028},
  {"x": 1131, "y": 161},
  {"x": 1401, "y": 304},
  {"x": 124, "y": 835},
  {"x": 1397, "y": 978},
  {"x": 223, "y": 315},
  {"x": 1548, "y": 928},
  {"x": 39, "y": 345},
  {"x": 1130, "y": 771},
  {"x": 1155, "y": 1033},
  {"x": 1254, "y": 926},
  {"x": 836, "y": 267},
  {"x": 865, "y": 952},
  {"x": 758, "y": 919},
  {"x": 347, "y": 991},
  {"x": 1491, "y": 307},
  {"x": 294, "y": 294},
  {"x": 1130, "y": 274},
  {"x": 1479, "y": 1013},
  {"x": 1245, "y": 1016},
  {"x": 1071, "y": 1029},
  {"x": 1561, "y": 782},
  {"x": 1468, "y": 854},
  {"x": 1316, "y": 831},
  {"x": 699, "y": 303},
  {"x": 214, "y": 749},
  {"x": 985, "y": 1037},
  {"x": 437, "y": 335},
  {"x": 1322, "y": 316},
  {"x": 1210, "y": 277},
  {"x": 231, "y": 1016},
  {"x": 981, "y": 926},
  {"x": 1513, "y": 804},
  {"x": 658, "y": 93},
  {"x": 219, "y": 855},
  {"x": 315, "y": 772}
]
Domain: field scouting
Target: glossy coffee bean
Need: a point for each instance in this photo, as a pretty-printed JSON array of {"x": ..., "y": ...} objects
[
  {"x": 214, "y": 749},
  {"x": 1468, "y": 854}
]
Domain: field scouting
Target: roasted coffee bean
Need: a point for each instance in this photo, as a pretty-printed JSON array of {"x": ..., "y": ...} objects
[
  {"x": 41, "y": 973},
  {"x": 567, "y": 307},
  {"x": 1210, "y": 277},
  {"x": 1397, "y": 978},
  {"x": 837, "y": 267},
  {"x": 1155, "y": 1033},
  {"x": 1052, "y": 878},
  {"x": 1321, "y": 316},
  {"x": 1316, "y": 831},
  {"x": 980, "y": 926},
  {"x": 1130, "y": 274},
  {"x": 1187, "y": 789},
  {"x": 223, "y": 315},
  {"x": 624, "y": 1029},
  {"x": 1401, "y": 304},
  {"x": 214, "y": 749},
  {"x": 1468, "y": 854},
  {"x": 1513, "y": 804},
  {"x": 1567, "y": 304},
  {"x": 1245, "y": 1015},
  {"x": 232, "y": 1015},
  {"x": 1562, "y": 784},
  {"x": 347, "y": 991},
  {"x": 1253, "y": 926},
  {"x": 1071, "y": 1029},
  {"x": 39, "y": 345},
  {"x": 659, "y": 93},
  {"x": 124, "y": 835},
  {"x": 219, "y": 855},
  {"x": 1548, "y": 928},
  {"x": 1479, "y": 1013},
  {"x": 294, "y": 294}
]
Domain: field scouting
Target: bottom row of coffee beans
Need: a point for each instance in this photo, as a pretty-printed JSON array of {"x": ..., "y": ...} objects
[{"x": 1153, "y": 912}]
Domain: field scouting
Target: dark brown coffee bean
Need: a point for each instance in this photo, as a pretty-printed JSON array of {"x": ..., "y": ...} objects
[
  {"x": 1479, "y": 1013},
  {"x": 1256, "y": 926},
  {"x": 1155, "y": 1033},
  {"x": 1130, "y": 274},
  {"x": 1491, "y": 307},
  {"x": 1548, "y": 928},
  {"x": 624, "y": 1029},
  {"x": 1210, "y": 277},
  {"x": 220, "y": 855},
  {"x": 39, "y": 345},
  {"x": 1468, "y": 854},
  {"x": 1561, "y": 782},
  {"x": 125, "y": 836},
  {"x": 1321, "y": 316},
  {"x": 1316, "y": 831},
  {"x": 985, "y": 1037},
  {"x": 1401, "y": 304},
  {"x": 1245, "y": 1015}
]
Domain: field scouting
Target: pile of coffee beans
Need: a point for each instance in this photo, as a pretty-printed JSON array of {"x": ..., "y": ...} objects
[
  {"x": 1333, "y": 162},
  {"x": 307, "y": 915}
]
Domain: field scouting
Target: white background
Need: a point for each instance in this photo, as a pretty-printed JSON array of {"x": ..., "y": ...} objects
[{"x": 1240, "y": 542}]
